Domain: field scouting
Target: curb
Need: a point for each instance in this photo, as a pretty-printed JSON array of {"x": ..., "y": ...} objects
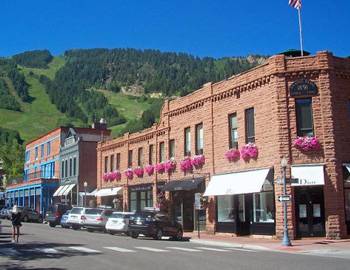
[{"x": 233, "y": 245}]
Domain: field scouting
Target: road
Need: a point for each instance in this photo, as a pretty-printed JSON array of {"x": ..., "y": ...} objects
[{"x": 42, "y": 247}]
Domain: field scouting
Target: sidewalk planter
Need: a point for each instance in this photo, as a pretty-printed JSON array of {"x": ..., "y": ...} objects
[
  {"x": 149, "y": 169},
  {"x": 139, "y": 172},
  {"x": 170, "y": 165},
  {"x": 129, "y": 173},
  {"x": 186, "y": 165},
  {"x": 233, "y": 155},
  {"x": 249, "y": 151},
  {"x": 160, "y": 168},
  {"x": 198, "y": 161},
  {"x": 307, "y": 144}
]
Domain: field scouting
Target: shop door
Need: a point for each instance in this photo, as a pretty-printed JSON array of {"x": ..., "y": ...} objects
[
  {"x": 309, "y": 211},
  {"x": 183, "y": 209},
  {"x": 243, "y": 204}
]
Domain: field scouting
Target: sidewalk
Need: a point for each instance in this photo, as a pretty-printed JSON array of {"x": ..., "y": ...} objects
[{"x": 307, "y": 245}]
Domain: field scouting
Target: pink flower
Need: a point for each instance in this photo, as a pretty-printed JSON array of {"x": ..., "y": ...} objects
[
  {"x": 149, "y": 169},
  {"x": 249, "y": 151},
  {"x": 186, "y": 165},
  {"x": 105, "y": 177},
  {"x": 232, "y": 154},
  {"x": 160, "y": 167},
  {"x": 198, "y": 161},
  {"x": 116, "y": 175},
  {"x": 170, "y": 165},
  {"x": 139, "y": 172},
  {"x": 129, "y": 173},
  {"x": 307, "y": 143}
]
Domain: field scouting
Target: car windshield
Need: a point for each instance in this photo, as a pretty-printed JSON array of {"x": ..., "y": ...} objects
[
  {"x": 77, "y": 210},
  {"x": 93, "y": 211},
  {"x": 67, "y": 212},
  {"x": 145, "y": 214}
]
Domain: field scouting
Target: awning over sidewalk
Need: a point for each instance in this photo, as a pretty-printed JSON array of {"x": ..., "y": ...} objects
[
  {"x": 237, "y": 183},
  {"x": 347, "y": 166},
  {"x": 63, "y": 190},
  {"x": 177, "y": 185},
  {"x": 68, "y": 189},
  {"x": 92, "y": 193},
  {"x": 307, "y": 175},
  {"x": 108, "y": 192},
  {"x": 58, "y": 191}
]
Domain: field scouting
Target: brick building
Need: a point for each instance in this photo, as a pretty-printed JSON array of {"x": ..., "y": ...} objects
[{"x": 297, "y": 108}]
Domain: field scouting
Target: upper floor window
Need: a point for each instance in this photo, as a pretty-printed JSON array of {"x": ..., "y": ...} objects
[
  {"x": 140, "y": 157},
  {"x": 150, "y": 154},
  {"x": 118, "y": 161},
  {"x": 304, "y": 117},
  {"x": 172, "y": 149},
  {"x": 42, "y": 148},
  {"x": 106, "y": 164},
  {"x": 62, "y": 169},
  {"x": 130, "y": 159},
  {"x": 27, "y": 156},
  {"x": 232, "y": 122},
  {"x": 74, "y": 166},
  {"x": 36, "y": 152},
  {"x": 48, "y": 148},
  {"x": 187, "y": 141},
  {"x": 66, "y": 168},
  {"x": 161, "y": 152},
  {"x": 70, "y": 167},
  {"x": 112, "y": 163},
  {"x": 249, "y": 125},
  {"x": 199, "y": 139}
]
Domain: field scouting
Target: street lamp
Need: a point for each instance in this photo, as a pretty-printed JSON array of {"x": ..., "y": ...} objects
[
  {"x": 285, "y": 241},
  {"x": 85, "y": 186}
]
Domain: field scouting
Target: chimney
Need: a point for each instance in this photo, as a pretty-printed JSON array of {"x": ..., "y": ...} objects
[{"x": 102, "y": 125}]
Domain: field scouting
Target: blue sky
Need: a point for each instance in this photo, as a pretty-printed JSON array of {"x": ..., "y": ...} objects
[{"x": 201, "y": 27}]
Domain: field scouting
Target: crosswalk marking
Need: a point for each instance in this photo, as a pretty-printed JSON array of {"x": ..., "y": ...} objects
[
  {"x": 185, "y": 249},
  {"x": 120, "y": 249},
  {"x": 241, "y": 249},
  {"x": 47, "y": 250},
  {"x": 152, "y": 249},
  {"x": 86, "y": 250},
  {"x": 213, "y": 249},
  {"x": 9, "y": 252}
]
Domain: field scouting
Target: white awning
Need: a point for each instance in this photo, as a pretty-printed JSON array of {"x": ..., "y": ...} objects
[
  {"x": 307, "y": 175},
  {"x": 347, "y": 166},
  {"x": 92, "y": 193},
  {"x": 63, "y": 190},
  {"x": 108, "y": 192},
  {"x": 237, "y": 183},
  {"x": 58, "y": 191},
  {"x": 67, "y": 190}
]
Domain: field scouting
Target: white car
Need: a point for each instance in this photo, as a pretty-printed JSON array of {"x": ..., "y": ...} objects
[
  {"x": 118, "y": 222},
  {"x": 76, "y": 218}
]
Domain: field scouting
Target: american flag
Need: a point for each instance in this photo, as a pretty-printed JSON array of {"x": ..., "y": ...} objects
[{"x": 295, "y": 3}]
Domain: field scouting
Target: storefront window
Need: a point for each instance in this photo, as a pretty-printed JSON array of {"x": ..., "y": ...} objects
[
  {"x": 225, "y": 205},
  {"x": 133, "y": 201},
  {"x": 263, "y": 207},
  {"x": 347, "y": 204}
]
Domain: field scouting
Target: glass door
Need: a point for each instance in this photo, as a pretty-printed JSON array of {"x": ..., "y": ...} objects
[{"x": 243, "y": 204}]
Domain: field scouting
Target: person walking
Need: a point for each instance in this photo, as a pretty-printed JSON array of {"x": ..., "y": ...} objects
[{"x": 16, "y": 223}]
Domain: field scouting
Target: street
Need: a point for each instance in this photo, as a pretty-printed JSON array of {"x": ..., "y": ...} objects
[{"x": 42, "y": 247}]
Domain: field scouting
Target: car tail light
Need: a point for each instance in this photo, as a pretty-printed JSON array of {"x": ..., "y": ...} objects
[
  {"x": 83, "y": 218},
  {"x": 99, "y": 218},
  {"x": 57, "y": 214}
]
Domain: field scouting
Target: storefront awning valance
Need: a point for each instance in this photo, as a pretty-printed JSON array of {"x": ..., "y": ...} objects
[
  {"x": 58, "y": 191},
  {"x": 178, "y": 185},
  {"x": 237, "y": 183},
  {"x": 68, "y": 189},
  {"x": 307, "y": 175},
  {"x": 108, "y": 192},
  {"x": 92, "y": 193}
]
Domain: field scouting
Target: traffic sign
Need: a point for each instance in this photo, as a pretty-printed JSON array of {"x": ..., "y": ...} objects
[{"x": 284, "y": 198}]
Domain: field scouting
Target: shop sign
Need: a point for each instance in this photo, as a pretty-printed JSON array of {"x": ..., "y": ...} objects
[
  {"x": 284, "y": 198},
  {"x": 141, "y": 188},
  {"x": 197, "y": 201},
  {"x": 302, "y": 88},
  {"x": 305, "y": 182}
]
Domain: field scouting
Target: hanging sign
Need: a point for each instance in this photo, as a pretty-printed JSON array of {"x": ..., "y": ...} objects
[{"x": 302, "y": 88}]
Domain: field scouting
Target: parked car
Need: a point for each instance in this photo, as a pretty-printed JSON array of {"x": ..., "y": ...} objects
[
  {"x": 154, "y": 224},
  {"x": 6, "y": 212},
  {"x": 29, "y": 214},
  {"x": 75, "y": 218},
  {"x": 118, "y": 222},
  {"x": 64, "y": 219},
  {"x": 55, "y": 212},
  {"x": 96, "y": 218}
]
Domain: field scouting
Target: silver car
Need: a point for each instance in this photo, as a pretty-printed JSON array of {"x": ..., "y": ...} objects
[
  {"x": 75, "y": 217},
  {"x": 118, "y": 222},
  {"x": 95, "y": 219}
]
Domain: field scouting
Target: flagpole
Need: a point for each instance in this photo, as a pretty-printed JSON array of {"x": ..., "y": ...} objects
[{"x": 300, "y": 32}]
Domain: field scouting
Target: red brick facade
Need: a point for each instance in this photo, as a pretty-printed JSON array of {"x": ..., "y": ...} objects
[{"x": 266, "y": 89}]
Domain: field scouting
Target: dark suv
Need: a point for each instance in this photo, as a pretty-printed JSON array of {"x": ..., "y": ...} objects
[
  {"x": 154, "y": 224},
  {"x": 29, "y": 214},
  {"x": 55, "y": 212}
]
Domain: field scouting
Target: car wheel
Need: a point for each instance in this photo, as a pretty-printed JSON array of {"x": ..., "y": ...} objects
[
  {"x": 111, "y": 233},
  {"x": 90, "y": 230},
  {"x": 52, "y": 225},
  {"x": 75, "y": 227},
  {"x": 134, "y": 235},
  {"x": 179, "y": 235},
  {"x": 40, "y": 220},
  {"x": 25, "y": 219},
  {"x": 158, "y": 235}
]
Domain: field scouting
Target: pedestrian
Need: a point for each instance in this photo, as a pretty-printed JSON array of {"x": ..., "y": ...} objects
[{"x": 16, "y": 223}]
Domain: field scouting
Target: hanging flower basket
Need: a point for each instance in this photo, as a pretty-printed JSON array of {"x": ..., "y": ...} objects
[
  {"x": 198, "y": 161},
  {"x": 307, "y": 144},
  {"x": 149, "y": 169},
  {"x": 233, "y": 155},
  {"x": 139, "y": 172},
  {"x": 160, "y": 167},
  {"x": 186, "y": 165},
  {"x": 249, "y": 151},
  {"x": 170, "y": 165},
  {"x": 116, "y": 175},
  {"x": 129, "y": 173},
  {"x": 105, "y": 177}
]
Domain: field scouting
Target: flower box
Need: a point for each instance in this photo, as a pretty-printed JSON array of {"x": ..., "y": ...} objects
[
  {"x": 249, "y": 151},
  {"x": 160, "y": 167},
  {"x": 186, "y": 165},
  {"x": 198, "y": 161},
  {"x": 129, "y": 173},
  {"x": 307, "y": 144},
  {"x": 233, "y": 155},
  {"x": 149, "y": 169},
  {"x": 116, "y": 175},
  {"x": 170, "y": 165},
  {"x": 106, "y": 177},
  {"x": 139, "y": 172}
]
